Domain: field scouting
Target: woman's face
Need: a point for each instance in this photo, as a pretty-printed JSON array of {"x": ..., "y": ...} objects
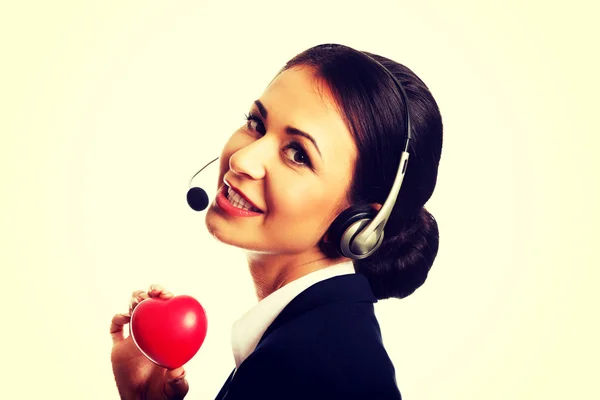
[{"x": 293, "y": 160}]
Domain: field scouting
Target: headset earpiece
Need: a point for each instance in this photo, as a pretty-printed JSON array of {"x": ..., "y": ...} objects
[
  {"x": 347, "y": 225},
  {"x": 358, "y": 231}
]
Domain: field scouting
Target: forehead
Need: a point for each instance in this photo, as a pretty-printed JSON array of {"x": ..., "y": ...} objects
[{"x": 299, "y": 99}]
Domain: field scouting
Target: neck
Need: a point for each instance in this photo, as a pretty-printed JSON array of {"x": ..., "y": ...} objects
[{"x": 273, "y": 271}]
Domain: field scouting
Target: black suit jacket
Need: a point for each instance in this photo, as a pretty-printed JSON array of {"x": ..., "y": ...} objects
[{"x": 325, "y": 344}]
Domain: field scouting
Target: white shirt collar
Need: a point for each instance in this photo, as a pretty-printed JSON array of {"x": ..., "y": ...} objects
[{"x": 249, "y": 328}]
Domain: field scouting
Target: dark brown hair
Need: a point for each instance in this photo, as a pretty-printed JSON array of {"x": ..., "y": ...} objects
[{"x": 374, "y": 112}]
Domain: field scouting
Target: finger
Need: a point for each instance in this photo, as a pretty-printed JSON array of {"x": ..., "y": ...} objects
[
  {"x": 157, "y": 290},
  {"x": 133, "y": 302},
  {"x": 136, "y": 298},
  {"x": 176, "y": 386},
  {"x": 116, "y": 327},
  {"x": 155, "y": 287}
]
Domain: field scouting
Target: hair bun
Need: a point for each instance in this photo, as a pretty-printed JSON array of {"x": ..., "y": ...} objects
[{"x": 402, "y": 262}]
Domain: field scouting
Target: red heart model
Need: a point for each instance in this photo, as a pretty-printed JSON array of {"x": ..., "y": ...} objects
[{"x": 169, "y": 331}]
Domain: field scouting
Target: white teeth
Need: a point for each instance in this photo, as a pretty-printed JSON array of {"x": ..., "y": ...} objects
[{"x": 238, "y": 201}]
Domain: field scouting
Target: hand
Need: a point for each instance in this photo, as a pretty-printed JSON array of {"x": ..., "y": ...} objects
[{"x": 136, "y": 376}]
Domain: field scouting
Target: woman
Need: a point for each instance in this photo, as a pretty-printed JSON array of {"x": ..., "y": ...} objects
[{"x": 325, "y": 136}]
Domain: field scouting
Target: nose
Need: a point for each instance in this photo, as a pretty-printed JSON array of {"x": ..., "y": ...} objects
[{"x": 249, "y": 161}]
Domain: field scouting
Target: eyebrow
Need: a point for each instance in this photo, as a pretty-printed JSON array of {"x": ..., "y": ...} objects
[{"x": 290, "y": 130}]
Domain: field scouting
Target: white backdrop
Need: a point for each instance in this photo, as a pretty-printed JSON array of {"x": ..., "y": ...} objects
[{"x": 107, "y": 108}]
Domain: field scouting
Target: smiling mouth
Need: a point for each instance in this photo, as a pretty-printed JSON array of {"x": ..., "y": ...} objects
[{"x": 238, "y": 201}]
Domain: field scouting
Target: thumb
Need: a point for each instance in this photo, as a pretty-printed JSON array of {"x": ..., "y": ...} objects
[{"x": 176, "y": 385}]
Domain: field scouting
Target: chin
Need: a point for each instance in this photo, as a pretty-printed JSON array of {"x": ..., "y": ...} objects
[
  {"x": 229, "y": 234},
  {"x": 224, "y": 233},
  {"x": 212, "y": 227}
]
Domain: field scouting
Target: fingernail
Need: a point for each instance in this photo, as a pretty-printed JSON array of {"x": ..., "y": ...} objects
[{"x": 179, "y": 378}]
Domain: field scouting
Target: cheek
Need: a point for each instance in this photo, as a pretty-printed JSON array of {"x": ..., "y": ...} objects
[
  {"x": 303, "y": 207},
  {"x": 313, "y": 210}
]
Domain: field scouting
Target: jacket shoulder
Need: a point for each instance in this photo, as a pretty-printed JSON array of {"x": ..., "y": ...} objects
[
  {"x": 333, "y": 351},
  {"x": 351, "y": 344}
]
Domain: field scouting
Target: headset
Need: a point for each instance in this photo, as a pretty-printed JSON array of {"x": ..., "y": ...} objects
[{"x": 356, "y": 233}]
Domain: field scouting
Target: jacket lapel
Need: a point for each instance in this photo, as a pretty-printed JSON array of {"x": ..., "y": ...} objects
[{"x": 225, "y": 387}]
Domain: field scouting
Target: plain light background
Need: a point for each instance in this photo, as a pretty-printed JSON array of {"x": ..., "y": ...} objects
[{"x": 107, "y": 108}]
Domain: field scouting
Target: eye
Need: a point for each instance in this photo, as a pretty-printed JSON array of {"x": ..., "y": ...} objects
[
  {"x": 255, "y": 124},
  {"x": 297, "y": 154},
  {"x": 294, "y": 151}
]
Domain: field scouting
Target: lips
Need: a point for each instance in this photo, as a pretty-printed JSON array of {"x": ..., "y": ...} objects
[
  {"x": 241, "y": 194},
  {"x": 232, "y": 208}
]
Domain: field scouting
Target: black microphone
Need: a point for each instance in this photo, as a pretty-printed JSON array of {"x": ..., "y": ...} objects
[{"x": 196, "y": 197}]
